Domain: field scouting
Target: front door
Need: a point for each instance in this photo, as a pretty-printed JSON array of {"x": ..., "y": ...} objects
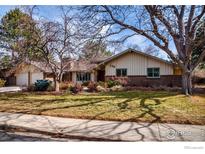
[{"x": 101, "y": 75}]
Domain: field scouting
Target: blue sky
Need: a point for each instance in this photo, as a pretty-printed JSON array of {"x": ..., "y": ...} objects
[
  {"x": 49, "y": 12},
  {"x": 4, "y": 9},
  {"x": 52, "y": 13}
]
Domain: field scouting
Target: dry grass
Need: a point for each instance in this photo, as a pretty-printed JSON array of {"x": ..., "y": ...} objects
[{"x": 149, "y": 106}]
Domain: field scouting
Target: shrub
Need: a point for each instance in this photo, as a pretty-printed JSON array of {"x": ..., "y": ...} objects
[
  {"x": 75, "y": 89},
  {"x": 2, "y": 83},
  {"x": 92, "y": 87},
  {"x": 111, "y": 83},
  {"x": 102, "y": 84},
  {"x": 86, "y": 83},
  {"x": 101, "y": 89},
  {"x": 51, "y": 88},
  {"x": 64, "y": 85},
  {"x": 122, "y": 82},
  {"x": 31, "y": 88},
  {"x": 42, "y": 85},
  {"x": 79, "y": 86}
]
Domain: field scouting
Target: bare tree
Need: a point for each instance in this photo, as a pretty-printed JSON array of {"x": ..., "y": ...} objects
[
  {"x": 162, "y": 25},
  {"x": 56, "y": 42},
  {"x": 133, "y": 46},
  {"x": 151, "y": 50},
  {"x": 92, "y": 50}
]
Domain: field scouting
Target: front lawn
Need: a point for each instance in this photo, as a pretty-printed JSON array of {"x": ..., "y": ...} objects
[{"x": 146, "y": 106}]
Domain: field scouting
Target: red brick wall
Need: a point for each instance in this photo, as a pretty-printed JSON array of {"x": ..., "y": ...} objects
[{"x": 143, "y": 81}]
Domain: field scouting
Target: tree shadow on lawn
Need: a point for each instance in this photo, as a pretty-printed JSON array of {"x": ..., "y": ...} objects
[
  {"x": 147, "y": 110},
  {"x": 66, "y": 106},
  {"x": 40, "y": 104},
  {"x": 112, "y": 130},
  {"x": 109, "y": 129},
  {"x": 37, "y": 106}
]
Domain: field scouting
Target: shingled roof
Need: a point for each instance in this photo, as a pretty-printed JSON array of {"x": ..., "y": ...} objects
[
  {"x": 73, "y": 66},
  {"x": 82, "y": 65},
  {"x": 42, "y": 66},
  {"x": 98, "y": 60}
]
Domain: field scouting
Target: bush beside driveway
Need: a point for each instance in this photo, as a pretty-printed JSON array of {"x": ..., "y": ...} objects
[{"x": 138, "y": 106}]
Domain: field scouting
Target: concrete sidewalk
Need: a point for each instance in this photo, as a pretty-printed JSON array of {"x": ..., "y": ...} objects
[{"x": 104, "y": 130}]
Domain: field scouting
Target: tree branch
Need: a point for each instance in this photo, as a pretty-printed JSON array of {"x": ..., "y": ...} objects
[
  {"x": 189, "y": 22},
  {"x": 161, "y": 18},
  {"x": 141, "y": 32},
  {"x": 155, "y": 27},
  {"x": 197, "y": 19}
]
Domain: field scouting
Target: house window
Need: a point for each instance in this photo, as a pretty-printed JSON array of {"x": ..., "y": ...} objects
[
  {"x": 83, "y": 76},
  {"x": 121, "y": 72},
  {"x": 153, "y": 72}
]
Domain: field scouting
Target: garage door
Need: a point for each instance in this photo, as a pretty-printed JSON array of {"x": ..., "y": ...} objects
[
  {"x": 36, "y": 76},
  {"x": 22, "y": 79}
]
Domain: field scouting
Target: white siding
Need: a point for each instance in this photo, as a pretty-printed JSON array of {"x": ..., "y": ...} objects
[
  {"x": 22, "y": 79},
  {"x": 74, "y": 77},
  {"x": 22, "y": 75},
  {"x": 136, "y": 64},
  {"x": 92, "y": 77},
  {"x": 36, "y": 76}
]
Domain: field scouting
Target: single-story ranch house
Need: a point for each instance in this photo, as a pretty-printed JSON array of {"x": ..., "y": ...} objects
[{"x": 133, "y": 67}]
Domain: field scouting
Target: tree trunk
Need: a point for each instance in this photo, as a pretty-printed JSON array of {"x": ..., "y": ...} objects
[
  {"x": 187, "y": 83},
  {"x": 56, "y": 85}
]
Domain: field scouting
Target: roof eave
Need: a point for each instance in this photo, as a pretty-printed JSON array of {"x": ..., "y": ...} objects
[{"x": 132, "y": 50}]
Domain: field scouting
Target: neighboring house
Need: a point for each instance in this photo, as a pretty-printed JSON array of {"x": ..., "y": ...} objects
[
  {"x": 26, "y": 73},
  {"x": 199, "y": 76},
  {"x": 132, "y": 67}
]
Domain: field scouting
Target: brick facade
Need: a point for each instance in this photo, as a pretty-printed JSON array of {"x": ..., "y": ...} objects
[{"x": 143, "y": 81}]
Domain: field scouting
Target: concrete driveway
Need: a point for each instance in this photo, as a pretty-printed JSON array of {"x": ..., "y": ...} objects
[{"x": 11, "y": 89}]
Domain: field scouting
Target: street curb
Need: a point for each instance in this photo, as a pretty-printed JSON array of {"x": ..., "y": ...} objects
[{"x": 7, "y": 127}]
